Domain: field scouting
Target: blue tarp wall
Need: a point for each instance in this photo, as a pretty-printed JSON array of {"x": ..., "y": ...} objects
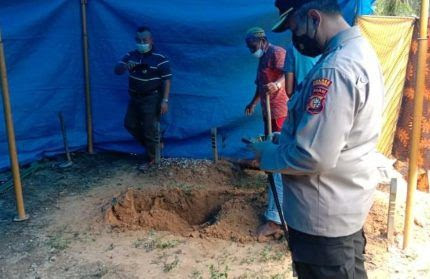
[{"x": 213, "y": 71}]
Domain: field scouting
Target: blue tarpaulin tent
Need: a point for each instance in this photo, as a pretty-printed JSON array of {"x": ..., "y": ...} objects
[{"x": 213, "y": 71}]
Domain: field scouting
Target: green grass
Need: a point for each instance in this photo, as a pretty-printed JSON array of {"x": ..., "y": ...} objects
[
  {"x": 196, "y": 275},
  {"x": 151, "y": 244},
  {"x": 167, "y": 267},
  {"x": 268, "y": 255},
  {"x": 168, "y": 244},
  {"x": 217, "y": 273},
  {"x": 249, "y": 260},
  {"x": 58, "y": 242},
  {"x": 146, "y": 244}
]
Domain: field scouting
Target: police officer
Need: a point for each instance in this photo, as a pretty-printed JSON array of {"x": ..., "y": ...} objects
[
  {"x": 149, "y": 86},
  {"x": 328, "y": 141}
]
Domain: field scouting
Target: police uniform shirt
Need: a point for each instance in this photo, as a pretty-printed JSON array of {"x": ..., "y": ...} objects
[
  {"x": 150, "y": 70},
  {"x": 329, "y": 139}
]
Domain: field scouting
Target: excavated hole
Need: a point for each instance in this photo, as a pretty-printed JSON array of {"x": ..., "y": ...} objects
[{"x": 222, "y": 213}]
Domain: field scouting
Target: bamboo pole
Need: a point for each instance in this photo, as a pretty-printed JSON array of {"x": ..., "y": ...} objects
[
  {"x": 11, "y": 138},
  {"x": 416, "y": 126},
  {"x": 89, "y": 115}
]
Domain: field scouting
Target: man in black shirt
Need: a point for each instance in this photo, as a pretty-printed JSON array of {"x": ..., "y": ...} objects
[{"x": 149, "y": 87}]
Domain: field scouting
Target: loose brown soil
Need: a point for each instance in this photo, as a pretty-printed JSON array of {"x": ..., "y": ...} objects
[{"x": 229, "y": 214}]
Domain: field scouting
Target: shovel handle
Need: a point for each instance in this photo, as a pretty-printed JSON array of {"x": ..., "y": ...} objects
[{"x": 268, "y": 116}]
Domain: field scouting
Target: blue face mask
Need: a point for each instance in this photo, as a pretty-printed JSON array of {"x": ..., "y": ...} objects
[{"x": 143, "y": 47}]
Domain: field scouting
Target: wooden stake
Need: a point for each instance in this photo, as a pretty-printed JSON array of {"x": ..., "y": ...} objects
[
  {"x": 214, "y": 136},
  {"x": 392, "y": 211},
  {"x": 64, "y": 134}
]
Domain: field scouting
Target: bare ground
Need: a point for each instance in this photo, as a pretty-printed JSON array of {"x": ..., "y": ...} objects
[{"x": 76, "y": 229}]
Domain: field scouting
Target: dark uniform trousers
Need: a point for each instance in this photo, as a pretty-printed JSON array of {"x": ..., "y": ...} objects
[
  {"x": 318, "y": 257},
  {"x": 142, "y": 121}
]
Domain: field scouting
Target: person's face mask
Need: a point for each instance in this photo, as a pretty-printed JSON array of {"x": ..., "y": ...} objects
[
  {"x": 143, "y": 48},
  {"x": 258, "y": 53},
  {"x": 306, "y": 45}
]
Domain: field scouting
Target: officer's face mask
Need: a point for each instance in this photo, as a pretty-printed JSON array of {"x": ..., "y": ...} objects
[
  {"x": 143, "y": 48},
  {"x": 306, "y": 45}
]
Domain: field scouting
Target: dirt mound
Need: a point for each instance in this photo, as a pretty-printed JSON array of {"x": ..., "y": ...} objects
[
  {"x": 230, "y": 214},
  {"x": 193, "y": 172},
  {"x": 186, "y": 173}
]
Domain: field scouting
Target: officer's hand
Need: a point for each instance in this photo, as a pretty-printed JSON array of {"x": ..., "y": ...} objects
[
  {"x": 131, "y": 65},
  {"x": 259, "y": 148},
  {"x": 249, "y": 110},
  {"x": 164, "y": 108},
  {"x": 271, "y": 88}
]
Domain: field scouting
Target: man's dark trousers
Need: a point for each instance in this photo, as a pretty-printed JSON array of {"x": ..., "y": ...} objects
[
  {"x": 319, "y": 257},
  {"x": 143, "y": 121}
]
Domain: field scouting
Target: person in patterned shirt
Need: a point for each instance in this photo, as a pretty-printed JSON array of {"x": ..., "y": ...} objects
[{"x": 270, "y": 80}]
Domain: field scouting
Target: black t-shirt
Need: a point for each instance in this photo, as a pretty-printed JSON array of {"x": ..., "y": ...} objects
[{"x": 150, "y": 70}]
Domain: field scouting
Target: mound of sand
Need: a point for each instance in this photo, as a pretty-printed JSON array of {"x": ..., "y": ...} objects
[{"x": 229, "y": 214}]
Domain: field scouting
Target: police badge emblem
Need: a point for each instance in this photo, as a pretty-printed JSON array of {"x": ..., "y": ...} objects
[{"x": 316, "y": 101}]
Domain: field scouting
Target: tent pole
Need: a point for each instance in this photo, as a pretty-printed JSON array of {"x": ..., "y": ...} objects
[
  {"x": 89, "y": 115},
  {"x": 11, "y": 138},
  {"x": 416, "y": 126}
]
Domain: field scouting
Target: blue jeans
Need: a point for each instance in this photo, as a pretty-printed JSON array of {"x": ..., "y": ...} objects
[{"x": 271, "y": 213}]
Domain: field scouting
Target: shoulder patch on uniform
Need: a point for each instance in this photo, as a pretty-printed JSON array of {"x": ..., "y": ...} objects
[{"x": 316, "y": 101}]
